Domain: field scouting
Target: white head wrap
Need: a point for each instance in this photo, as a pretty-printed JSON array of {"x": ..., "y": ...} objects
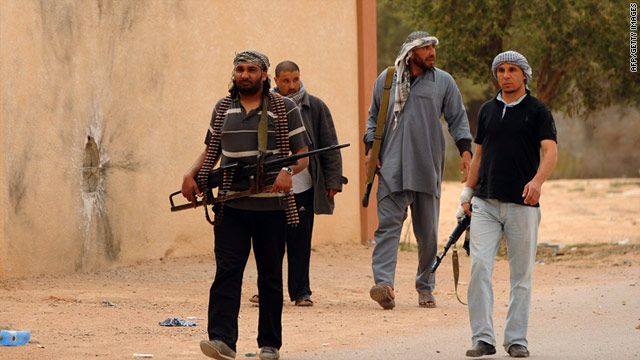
[
  {"x": 414, "y": 41},
  {"x": 512, "y": 57}
]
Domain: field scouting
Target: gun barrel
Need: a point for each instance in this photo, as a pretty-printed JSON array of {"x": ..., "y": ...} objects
[
  {"x": 295, "y": 157},
  {"x": 242, "y": 171},
  {"x": 463, "y": 224}
]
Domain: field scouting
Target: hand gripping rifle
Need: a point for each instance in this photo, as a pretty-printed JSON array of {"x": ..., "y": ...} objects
[
  {"x": 247, "y": 171},
  {"x": 377, "y": 137}
]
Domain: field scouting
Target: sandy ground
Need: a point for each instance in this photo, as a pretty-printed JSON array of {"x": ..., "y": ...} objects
[{"x": 586, "y": 302}]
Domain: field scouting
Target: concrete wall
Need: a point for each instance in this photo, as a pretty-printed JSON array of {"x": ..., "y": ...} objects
[{"x": 139, "y": 79}]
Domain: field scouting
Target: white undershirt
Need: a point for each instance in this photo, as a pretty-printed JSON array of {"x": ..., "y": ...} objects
[
  {"x": 504, "y": 109},
  {"x": 302, "y": 181}
]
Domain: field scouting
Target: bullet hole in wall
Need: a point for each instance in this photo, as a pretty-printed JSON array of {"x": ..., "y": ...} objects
[{"x": 90, "y": 166}]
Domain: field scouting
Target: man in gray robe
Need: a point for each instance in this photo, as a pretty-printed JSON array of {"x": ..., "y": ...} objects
[{"x": 411, "y": 161}]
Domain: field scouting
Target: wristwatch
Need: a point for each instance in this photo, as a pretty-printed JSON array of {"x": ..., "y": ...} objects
[{"x": 288, "y": 170}]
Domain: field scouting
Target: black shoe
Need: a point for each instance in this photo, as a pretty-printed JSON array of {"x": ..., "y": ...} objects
[
  {"x": 481, "y": 349},
  {"x": 518, "y": 351}
]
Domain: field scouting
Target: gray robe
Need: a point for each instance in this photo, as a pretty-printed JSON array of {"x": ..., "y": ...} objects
[{"x": 412, "y": 154}]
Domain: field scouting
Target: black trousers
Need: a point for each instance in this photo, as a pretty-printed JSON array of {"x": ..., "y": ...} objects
[
  {"x": 233, "y": 239},
  {"x": 299, "y": 247}
]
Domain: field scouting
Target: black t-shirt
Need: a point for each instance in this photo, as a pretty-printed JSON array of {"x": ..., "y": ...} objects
[{"x": 511, "y": 146}]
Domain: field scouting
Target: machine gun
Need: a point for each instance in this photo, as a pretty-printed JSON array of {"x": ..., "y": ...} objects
[
  {"x": 241, "y": 172},
  {"x": 463, "y": 224}
]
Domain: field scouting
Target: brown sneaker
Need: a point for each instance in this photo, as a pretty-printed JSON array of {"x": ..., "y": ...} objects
[
  {"x": 217, "y": 349},
  {"x": 269, "y": 353},
  {"x": 383, "y": 295},
  {"x": 304, "y": 300}
]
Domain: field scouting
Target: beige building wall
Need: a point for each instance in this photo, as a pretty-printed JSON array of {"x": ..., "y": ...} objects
[{"x": 139, "y": 79}]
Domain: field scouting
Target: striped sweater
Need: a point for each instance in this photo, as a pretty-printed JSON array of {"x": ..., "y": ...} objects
[{"x": 240, "y": 144}]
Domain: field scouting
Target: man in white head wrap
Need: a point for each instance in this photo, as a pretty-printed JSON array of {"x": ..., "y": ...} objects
[
  {"x": 515, "y": 58},
  {"x": 505, "y": 182},
  {"x": 412, "y": 161}
]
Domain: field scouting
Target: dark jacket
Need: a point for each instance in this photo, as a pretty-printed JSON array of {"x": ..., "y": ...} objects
[{"x": 325, "y": 169}]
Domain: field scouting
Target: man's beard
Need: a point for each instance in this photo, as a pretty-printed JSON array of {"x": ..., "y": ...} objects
[
  {"x": 421, "y": 63},
  {"x": 248, "y": 89}
]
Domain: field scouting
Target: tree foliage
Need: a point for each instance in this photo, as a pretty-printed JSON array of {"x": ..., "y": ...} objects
[
  {"x": 578, "y": 49},
  {"x": 393, "y": 29}
]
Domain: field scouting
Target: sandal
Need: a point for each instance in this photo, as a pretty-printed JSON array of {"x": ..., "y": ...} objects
[
  {"x": 383, "y": 295},
  {"x": 304, "y": 300},
  {"x": 426, "y": 300}
]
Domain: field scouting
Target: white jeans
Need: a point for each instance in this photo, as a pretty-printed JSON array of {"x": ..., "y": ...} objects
[{"x": 490, "y": 218}]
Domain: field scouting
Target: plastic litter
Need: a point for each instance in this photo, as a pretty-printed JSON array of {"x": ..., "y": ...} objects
[
  {"x": 177, "y": 322},
  {"x": 13, "y": 338},
  {"x": 623, "y": 242}
]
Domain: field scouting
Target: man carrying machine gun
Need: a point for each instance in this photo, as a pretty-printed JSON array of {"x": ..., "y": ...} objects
[{"x": 242, "y": 131}]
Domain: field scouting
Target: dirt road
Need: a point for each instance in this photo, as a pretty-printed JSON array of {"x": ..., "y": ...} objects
[{"x": 586, "y": 302}]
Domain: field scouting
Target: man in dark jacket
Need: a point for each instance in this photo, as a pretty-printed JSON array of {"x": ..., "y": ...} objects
[{"x": 314, "y": 187}]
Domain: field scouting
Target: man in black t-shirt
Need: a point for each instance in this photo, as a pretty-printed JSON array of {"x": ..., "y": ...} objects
[{"x": 505, "y": 182}]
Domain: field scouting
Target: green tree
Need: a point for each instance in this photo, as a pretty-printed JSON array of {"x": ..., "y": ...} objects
[
  {"x": 393, "y": 29},
  {"x": 578, "y": 49}
]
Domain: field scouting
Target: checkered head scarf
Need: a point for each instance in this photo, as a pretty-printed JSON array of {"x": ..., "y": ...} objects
[
  {"x": 414, "y": 41},
  {"x": 515, "y": 58},
  {"x": 254, "y": 57}
]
